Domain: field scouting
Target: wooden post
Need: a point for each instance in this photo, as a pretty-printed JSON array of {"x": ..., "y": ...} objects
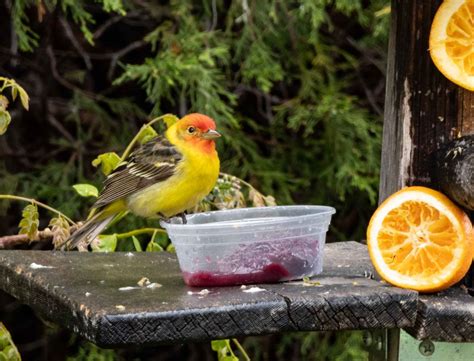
[{"x": 423, "y": 109}]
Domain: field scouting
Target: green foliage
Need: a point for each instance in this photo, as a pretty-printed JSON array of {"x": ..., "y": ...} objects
[
  {"x": 136, "y": 244},
  {"x": 185, "y": 68},
  {"x": 113, "y": 5},
  {"x": 8, "y": 350},
  {"x": 293, "y": 87},
  {"x": 232, "y": 192},
  {"x": 105, "y": 243},
  {"x": 86, "y": 190},
  {"x": 27, "y": 38},
  {"x": 16, "y": 90},
  {"x": 30, "y": 221},
  {"x": 223, "y": 350},
  {"x": 107, "y": 161},
  {"x": 5, "y": 117},
  {"x": 76, "y": 9},
  {"x": 153, "y": 247},
  {"x": 347, "y": 346},
  {"x": 320, "y": 134},
  {"x": 286, "y": 83},
  {"x": 170, "y": 248},
  {"x": 146, "y": 135},
  {"x": 308, "y": 346},
  {"x": 90, "y": 352}
]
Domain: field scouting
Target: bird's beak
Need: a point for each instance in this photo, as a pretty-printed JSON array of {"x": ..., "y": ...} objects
[{"x": 211, "y": 134}]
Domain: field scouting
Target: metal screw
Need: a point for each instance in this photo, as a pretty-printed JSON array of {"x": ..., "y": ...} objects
[{"x": 426, "y": 348}]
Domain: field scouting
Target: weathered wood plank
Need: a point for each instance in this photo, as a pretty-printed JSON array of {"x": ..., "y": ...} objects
[
  {"x": 346, "y": 297},
  {"x": 82, "y": 292},
  {"x": 445, "y": 316},
  {"x": 423, "y": 110}
]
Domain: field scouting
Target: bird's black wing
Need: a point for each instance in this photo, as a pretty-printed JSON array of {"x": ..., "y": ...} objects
[{"x": 154, "y": 161}]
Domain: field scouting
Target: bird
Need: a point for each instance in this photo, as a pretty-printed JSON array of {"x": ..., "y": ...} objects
[{"x": 160, "y": 179}]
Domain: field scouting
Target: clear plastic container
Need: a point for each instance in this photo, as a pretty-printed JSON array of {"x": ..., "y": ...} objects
[{"x": 250, "y": 245}]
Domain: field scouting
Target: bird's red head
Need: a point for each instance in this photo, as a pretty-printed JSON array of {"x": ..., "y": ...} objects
[
  {"x": 197, "y": 129},
  {"x": 199, "y": 121}
]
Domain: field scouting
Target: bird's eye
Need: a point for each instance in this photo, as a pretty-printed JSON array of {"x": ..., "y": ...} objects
[{"x": 191, "y": 130}]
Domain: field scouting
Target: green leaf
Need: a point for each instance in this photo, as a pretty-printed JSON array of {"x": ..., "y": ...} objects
[
  {"x": 105, "y": 243},
  {"x": 218, "y": 345},
  {"x": 3, "y": 102},
  {"x": 108, "y": 161},
  {"x": 11, "y": 353},
  {"x": 86, "y": 190},
  {"x": 4, "y": 340},
  {"x": 8, "y": 350},
  {"x": 114, "y": 5},
  {"x": 5, "y": 120},
  {"x": 153, "y": 247},
  {"x": 170, "y": 248},
  {"x": 24, "y": 98},
  {"x": 30, "y": 221},
  {"x": 136, "y": 243},
  {"x": 224, "y": 350},
  {"x": 14, "y": 92},
  {"x": 170, "y": 119},
  {"x": 146, "y": 134}
]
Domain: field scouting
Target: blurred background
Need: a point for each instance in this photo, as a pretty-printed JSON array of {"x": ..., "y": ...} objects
[{"x": 296, "y": 87}]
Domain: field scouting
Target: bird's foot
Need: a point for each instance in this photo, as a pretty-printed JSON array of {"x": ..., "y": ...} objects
[
  {"x": 167, "y": 220},
  {"x": 183, "y": 217}
]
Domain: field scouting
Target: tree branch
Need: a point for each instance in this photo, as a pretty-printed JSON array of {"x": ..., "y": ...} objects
[
  {"x": 16, "y": 239},
  {"x": 101, "y": 29},
  {"x": 75, "y": 43},
  {"x": 122, "y": 52}
]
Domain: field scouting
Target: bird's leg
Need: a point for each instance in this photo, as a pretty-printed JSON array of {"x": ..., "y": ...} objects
[{"x": 183, "y": 217}]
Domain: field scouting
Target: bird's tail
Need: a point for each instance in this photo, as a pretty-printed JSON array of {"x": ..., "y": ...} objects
[{"x": 88, "y": 231}]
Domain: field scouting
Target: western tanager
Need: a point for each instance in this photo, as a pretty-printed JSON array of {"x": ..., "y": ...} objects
[{"x": 161, "y": 178}]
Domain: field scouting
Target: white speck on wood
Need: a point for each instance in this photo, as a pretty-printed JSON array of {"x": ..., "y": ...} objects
[
  {"x": 120, "y": 307},
  {"x": 88, "y": 294},
  {"x": 39, "y": 266},
  {"x": 254, "y": 290},
  {"x": 407, "y": 144},
  {"x": 128, "y": 288},
  {"x": 154, "y": 285},
  {"x": 203, "y": 292}
]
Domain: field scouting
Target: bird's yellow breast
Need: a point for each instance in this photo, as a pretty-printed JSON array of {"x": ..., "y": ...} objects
[{"x": 195, "y": 176}]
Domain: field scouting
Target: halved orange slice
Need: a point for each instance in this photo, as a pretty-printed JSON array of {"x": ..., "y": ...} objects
[
  {"x": 419, "y": 239},
  {"x": 452, "y": 41}
]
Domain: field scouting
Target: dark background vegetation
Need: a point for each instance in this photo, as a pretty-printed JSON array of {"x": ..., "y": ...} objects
[{"x": 296, "y": 87}]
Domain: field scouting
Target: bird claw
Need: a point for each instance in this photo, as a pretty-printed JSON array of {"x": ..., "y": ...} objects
[
  {"x": 183, "y": 217},
  {"x": 167, "y": 220}
]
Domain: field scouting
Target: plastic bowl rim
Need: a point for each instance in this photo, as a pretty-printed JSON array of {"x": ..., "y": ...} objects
[{"x": 326, "y": 210}]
